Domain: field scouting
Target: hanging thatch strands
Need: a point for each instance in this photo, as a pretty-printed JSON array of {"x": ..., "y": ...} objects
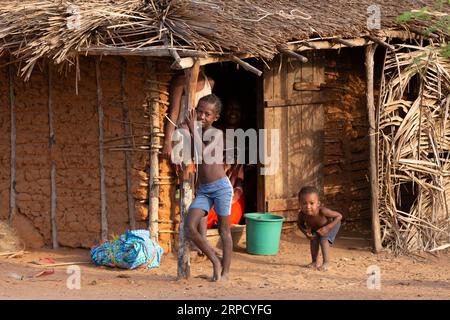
[
  {"x": 414, "y": 150},
  {"x": 128, "y": 134},
  {"x": 104, "y": 213},
  {"x": 153, "y": 188},
  {"x": 369, "y": 64},
  {"x": 12, "y": 105},
  {"x": 51, "y": 143}
]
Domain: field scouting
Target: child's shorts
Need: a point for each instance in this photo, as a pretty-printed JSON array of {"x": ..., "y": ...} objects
[
  {"x": 331, "y": 235},
  {"x": 218, "y": 193}
]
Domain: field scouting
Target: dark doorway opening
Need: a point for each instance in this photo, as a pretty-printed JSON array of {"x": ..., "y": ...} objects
[{"x": 235, "y": 85}]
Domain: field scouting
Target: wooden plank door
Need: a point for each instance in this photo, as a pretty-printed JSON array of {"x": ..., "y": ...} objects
[{"x": 293, "y": 104}]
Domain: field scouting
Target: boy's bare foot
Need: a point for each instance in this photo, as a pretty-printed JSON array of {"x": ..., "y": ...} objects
[
  {"x": 217, "y": 269},
  {"x": 312, "y": 265},
  {"x": 324, "y": 267},
  {"x": 224, "y": 277}
]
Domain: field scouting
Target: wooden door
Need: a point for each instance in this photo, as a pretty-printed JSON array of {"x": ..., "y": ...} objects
[{"x": 293, "y": 104}]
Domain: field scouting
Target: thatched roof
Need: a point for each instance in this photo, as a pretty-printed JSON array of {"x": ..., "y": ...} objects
[{"x": 57, "y": 29}]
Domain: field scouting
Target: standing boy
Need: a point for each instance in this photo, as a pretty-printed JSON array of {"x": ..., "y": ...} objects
[
  {"x": 214, "y": 186},
  {"x": 319, "y": 224}
]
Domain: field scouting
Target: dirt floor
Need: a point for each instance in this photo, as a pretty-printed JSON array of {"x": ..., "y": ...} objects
[{"x": 283, "y": 276}]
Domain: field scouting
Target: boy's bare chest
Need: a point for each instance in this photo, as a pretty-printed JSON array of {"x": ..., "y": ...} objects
[{"x": 316, "y": 222}]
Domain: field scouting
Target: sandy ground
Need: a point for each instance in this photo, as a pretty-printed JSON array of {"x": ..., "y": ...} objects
[{"x": 252, "y": 277}]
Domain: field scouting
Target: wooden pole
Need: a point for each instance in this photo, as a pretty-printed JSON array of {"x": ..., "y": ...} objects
[
  {"x": 155, "y": 129},
  {"x": 104, "y": 213},
  {"x": 127, "y": 134},
  {"x": 12, "y": 102},
  {"x": 51, "y": 143},
  {"x": 184, "y": 268},
  {"x": 246, "y": 65},
  {"x": 373, "y": 171}
]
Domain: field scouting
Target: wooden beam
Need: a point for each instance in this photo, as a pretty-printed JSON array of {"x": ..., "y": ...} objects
[
  {"x": 187, "y": 185},
  {"x": 327, "y": 44},
  {"x": 292, "y": 54},
  {"x": 373, "y": 170},
  {"x": 346, "y": 43},
  {"x": 246, "y": 65},
  {"x": 51, "y": 143},
  {"x": 161, "y": 51},
  {"x": 422, "y": 32},
  {"x": 381, "y": 42},
  {"x": 188, "y": 62},
  {"x": 12, "y": 109},
  {"x": 104, "y": 212},
  {"x": 155, "y": 129},
  {"x": 128, "y": 134},
  {"x": 310, "y": 45}
]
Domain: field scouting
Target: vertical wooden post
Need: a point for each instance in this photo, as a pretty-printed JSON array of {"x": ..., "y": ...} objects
[
  {"x": 184, "y": 268},
  {"x": 104, "y": 216},
  {"x": 153, "y": 205},
  {"x": 373, "y": 170},
  {"x": 51, "y": 143},
  {"x": 127, "y": 134},
  {"x": 12, "y": 193}
]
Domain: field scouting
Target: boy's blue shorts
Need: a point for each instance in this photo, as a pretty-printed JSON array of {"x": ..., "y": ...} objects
[
  {"x": 218, "y": 193},
  {"x": 331, "y": 235}
]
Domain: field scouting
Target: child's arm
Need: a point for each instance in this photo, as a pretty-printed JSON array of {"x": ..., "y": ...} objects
[
  {"x": 301, "y": 223},
  {"x": 336, "y": 216},
  {"x": 176, "y": 91}
]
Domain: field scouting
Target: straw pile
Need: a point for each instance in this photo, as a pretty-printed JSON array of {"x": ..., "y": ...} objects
[
  {"x": 414, "y": 150},
  {"x": 9, "y": 241},
  {"x": 30, "y": 30}
]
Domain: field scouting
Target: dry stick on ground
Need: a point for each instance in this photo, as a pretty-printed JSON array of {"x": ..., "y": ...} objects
[{"x": 104, "y": 217}]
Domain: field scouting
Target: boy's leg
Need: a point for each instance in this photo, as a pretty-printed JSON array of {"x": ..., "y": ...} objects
[
  {"x": 227, "y": 244},
  {"x": 193, "y": 220},
  {"x": 202, "y": 229},
  {"x": 325, "y": 246},
  {"x": 314, "y": 246}
]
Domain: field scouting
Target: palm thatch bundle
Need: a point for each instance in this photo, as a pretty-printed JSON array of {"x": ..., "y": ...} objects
[
  {"x": 414, "y": 150},
  {"x": 59, "y": 30}
]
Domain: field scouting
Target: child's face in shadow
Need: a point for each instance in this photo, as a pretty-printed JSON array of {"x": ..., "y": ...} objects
[
  {"x": 206, "y": 114},
  {"x": 233, "y": 114},
  {"x": 310, "y": 204}
]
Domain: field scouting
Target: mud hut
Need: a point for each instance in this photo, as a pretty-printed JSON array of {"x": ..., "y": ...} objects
[{"x": 85, "y": 84}]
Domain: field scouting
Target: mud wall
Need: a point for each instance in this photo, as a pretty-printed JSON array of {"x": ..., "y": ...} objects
[
  {"x": 346, "y": 143},
  {"x": 76, "y": 150}
]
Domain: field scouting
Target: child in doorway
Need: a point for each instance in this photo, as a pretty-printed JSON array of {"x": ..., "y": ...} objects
[
  {"x": 214, "y": 186},
  {"x": 319, "y": 224}
]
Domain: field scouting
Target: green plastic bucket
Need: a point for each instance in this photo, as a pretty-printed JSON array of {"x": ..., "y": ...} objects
[{"x": 263, "y": 232}]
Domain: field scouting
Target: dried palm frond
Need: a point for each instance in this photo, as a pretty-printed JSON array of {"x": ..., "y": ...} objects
[{"x": 414, "y": 149}]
